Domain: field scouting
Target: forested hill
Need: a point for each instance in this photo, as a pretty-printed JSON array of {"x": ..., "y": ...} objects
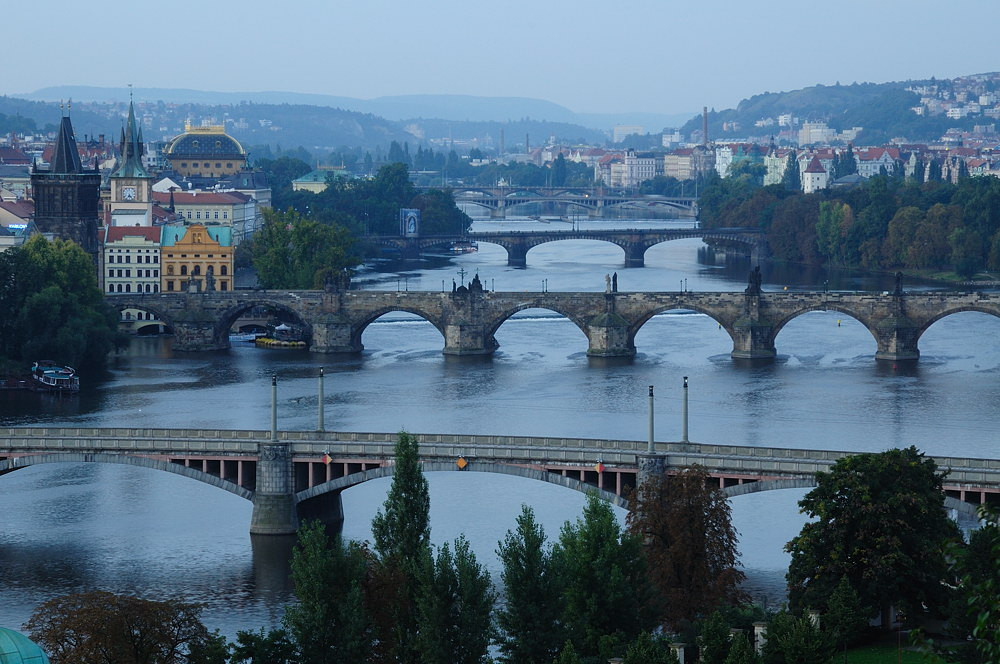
[{"x": 882, "y": 109}]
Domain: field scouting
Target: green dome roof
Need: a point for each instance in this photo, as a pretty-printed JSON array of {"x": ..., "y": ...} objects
[{"x": 16, "y": 648}]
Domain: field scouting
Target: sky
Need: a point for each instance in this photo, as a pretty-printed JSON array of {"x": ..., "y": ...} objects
[{"x": 660, "y": 56}]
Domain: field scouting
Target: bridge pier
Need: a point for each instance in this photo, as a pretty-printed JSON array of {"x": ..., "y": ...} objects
[
  {"x": 197, "y": 334},
  {"x": 753, "y": 338},
  {"x": 896, "y": 337},
  {"x": 333, "y": 333},
  {"x": 499, "y": 212},
  {"x": 608, "y": 336},
  {"x": 274, "y": 510},
  {"x": 635, "y": 255},
  {"x": 517, "y": 255},
  {"x": 468, "y": 339}
]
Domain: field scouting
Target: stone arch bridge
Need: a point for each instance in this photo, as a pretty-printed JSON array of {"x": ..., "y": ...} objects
[
  {"x": 468, "y": 320},
  {"x": 634, "y": 242},
  {"x": 303, "y": 473}
]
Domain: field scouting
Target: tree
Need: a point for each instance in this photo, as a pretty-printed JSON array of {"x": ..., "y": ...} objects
[
  {"x": 966, "y": 251},
  {"x": 647, "y": 650},
  {"x": 51, "y": 307},
  {"x": 603, "y": 579},
  {"x": 845, "y": 617},
  {"x": 713, "y": 640},
  {"x": 690, "y": 543},
  {"x": 559, "y": 171},
  {"x": 529, "y": 616},
  {"x": 330, "y": 623},
  {"x": 103, "y": 628},
  {"x": 402, "y": 533},
  {"x": 880, "y": 522},
  {"x": 568, "y": 655},
  {"x": 454, "y": 608},
  {"x": 291, "y": 251},
  {"x": 274, "y": 647},
  {"x": 792, "y": 178},
  {"x": 740, "y": 651}
]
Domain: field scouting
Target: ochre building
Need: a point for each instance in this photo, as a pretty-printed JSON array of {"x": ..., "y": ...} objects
[{"x": 189, "y": 254}]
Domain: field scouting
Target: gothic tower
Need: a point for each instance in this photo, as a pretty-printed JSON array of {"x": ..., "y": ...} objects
[
  {"x": 131, "y": 183},
  {"x": 67, "y": 195}
]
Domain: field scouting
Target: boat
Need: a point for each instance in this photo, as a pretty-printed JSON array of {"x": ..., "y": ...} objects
[
  {"x": 47, "y": 376},
  {"x": 463, "y": 247}
]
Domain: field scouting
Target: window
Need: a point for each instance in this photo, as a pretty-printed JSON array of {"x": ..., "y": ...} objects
[
  {"x": 223, "y": 270},
  {"x": 229, "y": 164},
  {"x": 222, "y": 286},
  {"x": 184, "y": 270},
  {"x": 197, "y": 214},
  {"x": 156, "y": 273},
  {"x": 196, "y": 269},
  {"x": 170, "y": 270},
  {"x": 119, "y": 288},
  {"x": 218, "y": 165},
  {"x": 128, "y": 288},
  {"x": 170, "y": 285},
  {"x": 156, "y": 287},
  {"x": 216, "y": 214},
  {"x": 225, "y": 214},
  {"x": 128, "y": 259},
  {"x": 111, "y": 288},
  {"x": 184, "y": 164}
]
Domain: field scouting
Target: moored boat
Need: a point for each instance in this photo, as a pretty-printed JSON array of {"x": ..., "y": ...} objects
[{"x": 47, "y": 376}]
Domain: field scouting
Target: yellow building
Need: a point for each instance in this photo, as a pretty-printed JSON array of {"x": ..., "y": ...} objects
[
  {"x": 190, "y": 254},
  {"x": 206, "y": 152}
]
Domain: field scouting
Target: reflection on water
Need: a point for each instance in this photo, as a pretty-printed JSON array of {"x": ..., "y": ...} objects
[{"x": 73, "y": 527}]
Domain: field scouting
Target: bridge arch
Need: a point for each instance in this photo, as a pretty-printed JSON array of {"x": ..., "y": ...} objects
[
  {"x": 348, "y": 481},
  {"x": 636, "y": 327},
  {"x": 494, "y": 325},
  {"x": 149, "y": 305},
  {"x": 229, "y": 315},
  {"x": 15, "y": 463},
  {"x": 950, "y": 503},
  {"x": 825, "y": 306},
  {"x": 992, "y": 311},
  {"x": 358, "y": 327}
]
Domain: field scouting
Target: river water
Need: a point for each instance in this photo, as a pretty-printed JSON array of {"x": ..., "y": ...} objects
[{"x": 74, "y": 527}]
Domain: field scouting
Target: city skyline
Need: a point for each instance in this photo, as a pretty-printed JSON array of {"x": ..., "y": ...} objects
[{"x": 637, "y": 56}]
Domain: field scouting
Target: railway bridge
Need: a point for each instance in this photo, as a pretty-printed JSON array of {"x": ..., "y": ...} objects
[{"x": 289, "y": 475}]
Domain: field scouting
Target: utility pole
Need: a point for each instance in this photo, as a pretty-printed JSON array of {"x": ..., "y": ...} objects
[
  {"x": 320, "y": 409},
  {"x": 684, "y": 416}
]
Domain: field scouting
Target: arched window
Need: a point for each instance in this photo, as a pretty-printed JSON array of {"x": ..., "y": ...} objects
[
  {"x": 196, "y": 269},
  {"x": 128, "y": 288},
  {"x": 119, "y": 288},
  {"x": 184, "y": 270}
]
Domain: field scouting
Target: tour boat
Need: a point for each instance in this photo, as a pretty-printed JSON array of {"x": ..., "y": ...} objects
[{"x": 51, "y": 377}]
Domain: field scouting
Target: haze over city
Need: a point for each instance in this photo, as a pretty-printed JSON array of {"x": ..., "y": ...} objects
[{"x": 638, "y": 55}]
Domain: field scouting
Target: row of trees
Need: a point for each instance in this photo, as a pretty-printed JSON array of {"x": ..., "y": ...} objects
[
  {"x": 886, "y": 223},
  {"x": 51, "y": 308},
  {"x": 879, "y": 538}
]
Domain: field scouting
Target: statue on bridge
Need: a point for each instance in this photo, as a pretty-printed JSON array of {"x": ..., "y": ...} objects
[
  {"x": 476, "y": 286},
  {"x": 607, "y": 283},
  {"x": 899, "y": 284},
  {"x": 753, "y": 282},
  {"x": 337, "y": 281},
  {"x": 614, "y": 282}
]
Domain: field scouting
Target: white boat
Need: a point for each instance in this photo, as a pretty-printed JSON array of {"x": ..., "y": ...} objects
[{"x": 47, "y": 376}]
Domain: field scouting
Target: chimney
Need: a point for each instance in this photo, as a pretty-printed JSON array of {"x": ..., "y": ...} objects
[{"x": 704, "y": 126}]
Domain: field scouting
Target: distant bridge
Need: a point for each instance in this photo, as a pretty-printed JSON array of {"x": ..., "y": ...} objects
[
  {"x": 497, "y": 199},
  {"x": 750, "y": 242},
  {"x": 468, "y": 320},
  {"x": 303, "y": 473}
]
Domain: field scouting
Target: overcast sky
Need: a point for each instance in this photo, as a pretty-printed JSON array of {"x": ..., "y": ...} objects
[{"x": 609, "y": 56}]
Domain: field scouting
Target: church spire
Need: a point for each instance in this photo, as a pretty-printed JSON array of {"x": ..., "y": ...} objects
[{"x": 131, "y": 149}]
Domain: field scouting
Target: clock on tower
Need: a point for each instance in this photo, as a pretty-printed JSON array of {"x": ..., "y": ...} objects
[{"x": 128, "y": 193}]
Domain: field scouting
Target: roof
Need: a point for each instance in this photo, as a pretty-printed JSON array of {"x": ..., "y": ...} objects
[
  {"x": 14, "y": 157},
  {"x": 65, "y": 156},
  {"x": 201, "y": 198},
  {"x": 174, "y": 234},
  {"x": 312, "y": 176},
  {"x": 16, "y": 648},
  {"x": 132, "y": 150},
  {"x": 246, "y": 179},
  {"x": 205, "y": 142},
  {"x": 815, "y": 167},
  {"x": 119, "y": 233},
  {"x": 20, "y": 209}
]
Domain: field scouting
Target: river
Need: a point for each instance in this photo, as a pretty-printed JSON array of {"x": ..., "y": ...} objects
[{"x": 74, "y": 527}]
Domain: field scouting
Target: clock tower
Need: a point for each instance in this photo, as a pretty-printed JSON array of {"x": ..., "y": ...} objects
[{"x": 131, "y": 183}]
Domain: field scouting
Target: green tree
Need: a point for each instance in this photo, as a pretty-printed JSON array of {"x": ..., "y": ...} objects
[
  {"x": 966, "y": 251},
  {"x": 273, "y": 647},
  {"x": 603, "y": 578},
  {"x": 559, "y": 171},
  {"x": 901, "y": 236},
  {"x": 51, "y": 307},
  {"x": 792, "y": 178},
  {"x": 291, "y": 251},
  {"x": 845, "y": 618},
  {"x": 329, "y": 624},
  {"x": 879, "y": 522},
  {"x": 213, "y": 649},
  {"x": 713, "y": 639},
  {"x": 568, "y": 655},
  {"x": 454, "y": 609},
  {"x": 740, "y": 651},
  {"x": 805, "y": 643},
  {"x": 402, "y": 532},
  {"x": 690, "y": 543},
  {"x": 529, "y": 616},
  {"x": 647, "y": 650},
  {"x": 103, "y": 628}
]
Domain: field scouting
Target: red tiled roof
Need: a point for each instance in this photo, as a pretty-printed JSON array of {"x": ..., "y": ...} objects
[
  {"x": 815, "y": 167},
  {"x": 117, "y": 233},
  {"x": 21, "y": 209},
  {"x": 14, "y": 157}
]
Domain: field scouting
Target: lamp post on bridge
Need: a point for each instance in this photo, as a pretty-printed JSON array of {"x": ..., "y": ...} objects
[{"x": 320, "y": 424}]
